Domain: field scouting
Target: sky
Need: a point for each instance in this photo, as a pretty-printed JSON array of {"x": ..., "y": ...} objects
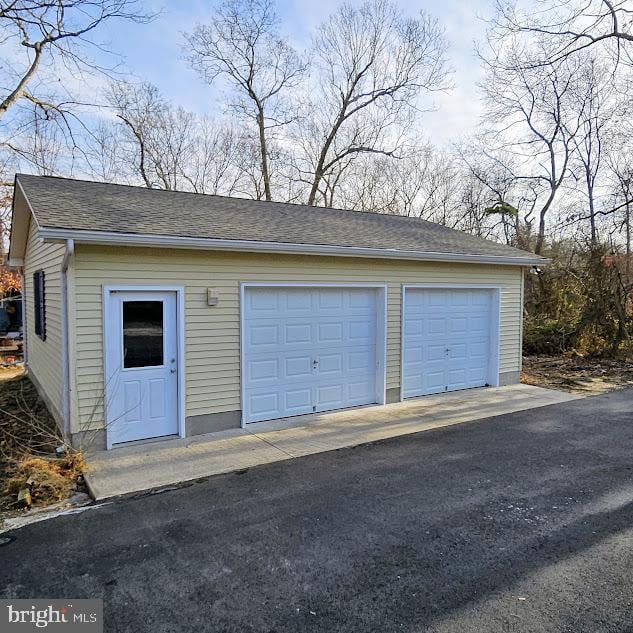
[{"x": 153, "y": 52}]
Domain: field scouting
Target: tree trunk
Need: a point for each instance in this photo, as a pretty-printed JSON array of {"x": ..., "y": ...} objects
[
  {"x": 264, "y": 152},
  {"x": 627, "y": 223},
  {"x": 592, "y": 210},
  {"x": 141, "y": 147},
  {"x": 20, "y": 89},
  {"x": 540, "y": 238},
  {"x": 319, "y": 169}
]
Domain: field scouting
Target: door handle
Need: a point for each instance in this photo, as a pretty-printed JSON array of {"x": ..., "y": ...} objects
[{"x": 172, "y": 370}]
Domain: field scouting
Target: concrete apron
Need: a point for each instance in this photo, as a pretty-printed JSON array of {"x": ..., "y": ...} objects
[{"x": 160, "y": 463}]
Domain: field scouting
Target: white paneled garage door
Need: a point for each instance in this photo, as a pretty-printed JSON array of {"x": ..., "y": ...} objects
[
  {"x": 448, "y": 341},
  {"x": 307, "y": 350}
]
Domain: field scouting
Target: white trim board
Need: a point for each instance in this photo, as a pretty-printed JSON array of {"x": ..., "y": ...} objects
[
  {"x": 381, "y": 330},
  {"x": 495, "y": 325},
  {"x": 180, "y": 334},
  {"x": 111, "y": 238}
]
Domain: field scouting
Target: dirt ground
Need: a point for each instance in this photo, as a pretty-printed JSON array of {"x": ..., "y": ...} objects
[
  {"x": 28, "y": 439},
  {"x": 576, "y": 374}
]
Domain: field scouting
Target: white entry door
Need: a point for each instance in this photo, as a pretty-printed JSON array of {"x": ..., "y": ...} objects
[
  {"x": 448, "y": 341},
  {"x": 142, "y": 363},
  {"x": 308, "y": 350}
]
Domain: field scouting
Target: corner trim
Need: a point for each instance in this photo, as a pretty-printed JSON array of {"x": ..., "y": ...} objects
[{"x": 70, "y": 249}]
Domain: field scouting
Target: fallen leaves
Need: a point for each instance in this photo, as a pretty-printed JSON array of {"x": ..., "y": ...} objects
[{"x": 576, "y": 374}]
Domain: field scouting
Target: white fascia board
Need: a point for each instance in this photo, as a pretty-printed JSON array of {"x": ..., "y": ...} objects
[
  {"x": 105, "y": 238},
  {"x": 21, "y": 212}
]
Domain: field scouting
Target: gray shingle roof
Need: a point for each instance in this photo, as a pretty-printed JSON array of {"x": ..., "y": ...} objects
[{"x": 82, "y": 205}]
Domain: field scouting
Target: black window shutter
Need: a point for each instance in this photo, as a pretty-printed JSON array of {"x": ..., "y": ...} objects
[{"x": 39, "y": 301}]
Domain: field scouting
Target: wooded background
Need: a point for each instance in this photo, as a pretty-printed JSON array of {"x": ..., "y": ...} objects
[{"x": 548, "y": 168}]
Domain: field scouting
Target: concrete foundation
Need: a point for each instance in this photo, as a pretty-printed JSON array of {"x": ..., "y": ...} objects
[
  {"x": 227, "y": 420},
  {"x": 89, "y": 440},
  {"x": 393, "y": 395},
  {"x": 212, "y": 422},
  {"x": 509, "y": 378}
]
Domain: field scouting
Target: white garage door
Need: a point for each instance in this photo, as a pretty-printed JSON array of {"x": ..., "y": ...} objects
[
  {"x": 308, "y": 350},
  {"x": 447, "y": 340}
]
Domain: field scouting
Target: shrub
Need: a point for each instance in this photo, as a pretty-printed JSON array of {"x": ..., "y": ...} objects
[
  {"x": 547, "y": 336},
  {"x": 581, "y": 302}
]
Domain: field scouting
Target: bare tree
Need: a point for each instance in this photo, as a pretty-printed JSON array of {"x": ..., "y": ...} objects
[
  {"x": 44, "y": 149},
  {"x": 600, "y": 158},
  {"x": 373, "y": 64},
  {"x": 54, "y": 30},
  {"x": 620, "y": 177},
  {"x": 621, "y": 171},
  {"x": 434, "y": 185},
  {"x": 597, "y": 106},
  {"x": 243, "y": 46},
  {"x": 6, "y": 195},
  {"x": 419, "y": 184},
  {"x": 45, "y": 47},
  {"x": 166, "y": 147},
  {"x": 217, "y": 164},
  {"x": 156, "y": 139},
  {"x": 528, "y": 115},
  {"x": 569, "y": 26}
]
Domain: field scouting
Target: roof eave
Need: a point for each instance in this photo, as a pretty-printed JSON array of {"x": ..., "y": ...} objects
[{"x": 105, "y": 238}]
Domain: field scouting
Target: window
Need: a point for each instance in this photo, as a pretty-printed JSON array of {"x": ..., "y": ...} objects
[
  {"x": 142, "y": 334},
  {"x": 39, "y": 303}
]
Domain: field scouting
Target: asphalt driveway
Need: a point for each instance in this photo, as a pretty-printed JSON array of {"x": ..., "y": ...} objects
[{"x": 522, "y": 522}]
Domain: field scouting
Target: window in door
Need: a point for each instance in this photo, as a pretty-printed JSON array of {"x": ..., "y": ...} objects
[{"x": 142, "y": 334}]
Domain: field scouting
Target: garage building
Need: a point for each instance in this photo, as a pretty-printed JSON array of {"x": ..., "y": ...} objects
[{"x": 153, "y": 313}]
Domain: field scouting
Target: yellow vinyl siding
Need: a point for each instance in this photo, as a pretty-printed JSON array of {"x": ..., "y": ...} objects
[
  {"x": 212, "y": 334},
  {"x": 45, "y": 357}
]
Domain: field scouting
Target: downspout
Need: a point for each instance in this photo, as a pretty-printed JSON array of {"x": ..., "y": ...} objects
[{"x": 70, "y": 249}]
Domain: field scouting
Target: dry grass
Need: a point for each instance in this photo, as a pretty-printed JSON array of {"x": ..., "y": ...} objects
[
  {"x": 7, "y": 373},
  {"x": 28, "y": 439},
  {"x": 48, "y": 480},
  {"x": 577, "y": 374}
]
